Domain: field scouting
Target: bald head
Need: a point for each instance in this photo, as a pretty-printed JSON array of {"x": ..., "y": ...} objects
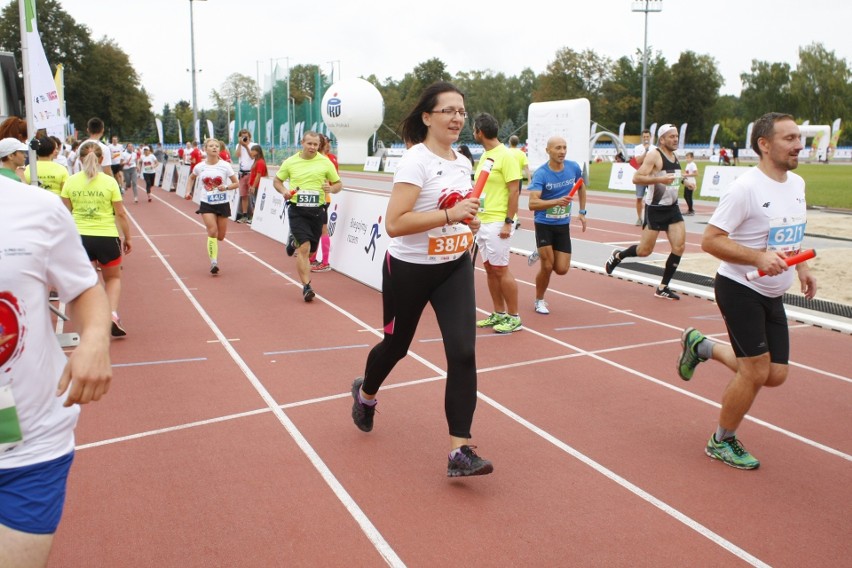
[{"x": 557, "y": 149}]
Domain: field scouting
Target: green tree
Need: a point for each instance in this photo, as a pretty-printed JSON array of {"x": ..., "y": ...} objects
[
  {"x": 766, "y": 88},
  {"x": 820, "y": 85},
  {"x": 573, "y": 75},
  {"x": 692, "y": 90}
]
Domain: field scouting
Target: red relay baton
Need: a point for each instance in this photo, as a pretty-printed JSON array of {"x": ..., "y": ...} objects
[
  {"x": 575, "y": 188},
  {"x": 483, "y": 177},
  {"x": 791, "y": 261}
]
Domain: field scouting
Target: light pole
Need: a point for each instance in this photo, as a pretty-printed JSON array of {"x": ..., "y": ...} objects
[
  {"x": 192, "y": 45},
  {"x": 310, "y": 112},
  {"x": 646, "y": 6},
  {"x": 272, "y": 63},
  {"x": 292, "y": 112}
]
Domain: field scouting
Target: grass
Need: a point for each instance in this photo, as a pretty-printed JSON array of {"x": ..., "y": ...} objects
[{"x": 828, "y": 185}]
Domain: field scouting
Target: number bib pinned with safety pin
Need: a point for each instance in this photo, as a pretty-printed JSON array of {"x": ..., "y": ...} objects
[
  {"x": 308, "y": 198},
  {"x": 450, "y": 243},
  {"x": 786, "y": 234}
]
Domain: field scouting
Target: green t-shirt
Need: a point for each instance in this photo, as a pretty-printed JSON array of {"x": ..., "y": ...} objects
[
  {"x": 523, "y": 161},
  {"x": 51, "y": 176},
  {"x": 495, "y": 196},
  {"x": 9, "y": 174},
  {"x": 91, "y": 203},
  {"x": 308, "y": 176}
]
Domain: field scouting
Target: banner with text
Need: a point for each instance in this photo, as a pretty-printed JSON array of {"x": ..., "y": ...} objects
[
  {"x": 621, "y": 177},
  {"x": 717, "y": 178},
  {"x": 358, "y": 239}
]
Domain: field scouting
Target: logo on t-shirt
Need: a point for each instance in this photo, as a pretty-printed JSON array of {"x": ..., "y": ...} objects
[{"x": 11, "y": 330}]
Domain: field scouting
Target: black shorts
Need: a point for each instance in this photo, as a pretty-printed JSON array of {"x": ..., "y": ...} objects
[
  {"x": 306, "y": 224},
  {"x": 220, "y": 210},
  {"x": 756, "y": 324},
  {"x": 659, "y": 217},
  {"x": 116, "y": 168},
  {"x": 106, "y": 251},
  {"x": 325, "y": 214},
  {"x": 556, "y": 236}
]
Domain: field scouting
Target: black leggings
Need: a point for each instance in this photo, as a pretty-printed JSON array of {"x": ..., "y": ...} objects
[
  {"x": 149, "y": 181},
  {"x": 406, "y": 289}
]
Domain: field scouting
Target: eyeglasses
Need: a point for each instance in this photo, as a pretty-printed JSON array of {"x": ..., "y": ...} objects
[{"x": 451, "y": 112}]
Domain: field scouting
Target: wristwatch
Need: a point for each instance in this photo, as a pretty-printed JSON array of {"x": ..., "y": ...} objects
[
  {"x": 582, "y": 211},
  {"x": 509, "y": 221}
]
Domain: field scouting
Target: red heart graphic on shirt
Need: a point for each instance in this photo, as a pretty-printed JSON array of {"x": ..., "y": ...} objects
[
  {"x": 10, "y": 329},
  {"x": 212, "y": 182}
]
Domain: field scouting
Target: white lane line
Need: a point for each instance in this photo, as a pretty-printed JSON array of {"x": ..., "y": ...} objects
[
  {"x": 577, "y": 327},
  {"x": 361, "y": 346},
  {"x": 381, "y": 545},
  {"x": 162, "y": 362}
]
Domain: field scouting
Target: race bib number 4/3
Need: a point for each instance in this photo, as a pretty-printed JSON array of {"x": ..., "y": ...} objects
[
  {"x": 450, "y": 243},
  {"x": 786, "y": 234}
]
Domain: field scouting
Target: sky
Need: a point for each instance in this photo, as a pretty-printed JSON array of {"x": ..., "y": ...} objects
[{"x": 388, "y": 38}]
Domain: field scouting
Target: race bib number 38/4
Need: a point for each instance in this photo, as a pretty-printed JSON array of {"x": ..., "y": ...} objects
[{"x": 450, "y": 243}]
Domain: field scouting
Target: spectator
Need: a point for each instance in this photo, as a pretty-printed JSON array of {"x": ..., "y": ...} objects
[
  {"x": 244, "y": 163},
  {"x": 51, "y": 175},
  {"x": 13, "y": 155},
  {"x": 258, "y": 172}
]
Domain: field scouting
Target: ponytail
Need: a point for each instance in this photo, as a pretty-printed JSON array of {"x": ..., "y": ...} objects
[{"x": 91, "y": 156}]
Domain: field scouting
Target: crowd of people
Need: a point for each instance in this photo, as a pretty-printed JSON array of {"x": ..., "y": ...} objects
[{"x": 437, "y": 227}]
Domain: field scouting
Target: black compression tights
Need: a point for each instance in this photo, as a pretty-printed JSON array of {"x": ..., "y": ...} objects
[{"x": 406, "y": 289}]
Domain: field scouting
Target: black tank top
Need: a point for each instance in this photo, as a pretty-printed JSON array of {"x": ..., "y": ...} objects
[{"x": 666, "y": 194}]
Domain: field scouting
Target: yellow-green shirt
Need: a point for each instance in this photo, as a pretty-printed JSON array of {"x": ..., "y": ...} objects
[
  {"x": 91, "y": 203},
  {"x": 495, "y": 196},
  {"x": 307, "y": 175},
  {"x": 521, "y": 156},
  {"x": 51, "y": 176}
]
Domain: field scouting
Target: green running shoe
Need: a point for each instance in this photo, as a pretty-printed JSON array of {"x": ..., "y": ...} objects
[
  {"x": 731, "y": 452},
  {"x": 509, "y": 325},
  {"x": 689, "y": 359},
  {"x": 492, "y": 320}
]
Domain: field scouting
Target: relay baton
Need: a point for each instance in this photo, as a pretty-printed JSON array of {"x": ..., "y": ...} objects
[
  {"x": 791, "y": 261},
  {"x": 483, "y": 177},
  {"x": 575, "y": 188}
]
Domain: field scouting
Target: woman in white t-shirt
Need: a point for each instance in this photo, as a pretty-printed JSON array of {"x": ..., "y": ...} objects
[
  {"x": 214, "y": 179},
  {"x": 428, "y": 263},
  {"x": 148, "y": 165}
]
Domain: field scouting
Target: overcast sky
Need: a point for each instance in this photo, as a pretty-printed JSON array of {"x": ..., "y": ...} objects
[{"x": 389, "y": 38}]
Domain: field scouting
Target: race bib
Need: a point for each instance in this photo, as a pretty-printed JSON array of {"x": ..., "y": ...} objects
[
  {"x": 308, "y": 198},
  {"x": 10, "y": 427},
  {"x": 217, "y": 197},
  {"x": 558, "y": 212},
  {"x": 450, "y": 243},
  {"x": 786, "y": 234}
]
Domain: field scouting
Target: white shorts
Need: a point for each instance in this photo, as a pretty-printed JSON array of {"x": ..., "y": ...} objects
[{"x": 493, "y": 249}]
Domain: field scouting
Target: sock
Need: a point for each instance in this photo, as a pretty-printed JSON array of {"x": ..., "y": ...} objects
[
  {"x": 671, "y": 265},
  {"x": 325, "y": 243},
  {"x": 368, "y": 402},
  {"x": 628, "y": 252},
  {"x": 722, "y": 434},
  {"x": 115, "y": 315},
  {"x": 212, "y": 248},
  {"x": 705, "y": 348}
]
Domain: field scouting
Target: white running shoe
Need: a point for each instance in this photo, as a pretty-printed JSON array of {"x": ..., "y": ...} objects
[
  {"x": 533, "y": 258},
  {"x": 541, "y": 307}
]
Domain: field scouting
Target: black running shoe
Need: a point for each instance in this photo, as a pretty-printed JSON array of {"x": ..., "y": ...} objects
[
  {"x": 117, "y": 329},
  {"x": 666, "y": 293},
  {"x": 466, "y": 463},
  {"x": 362, "y": 414},
  {"x": 214, "y": 268},
  {"x": 308, "y": 293},
  {"x": 612, "y": 262}
]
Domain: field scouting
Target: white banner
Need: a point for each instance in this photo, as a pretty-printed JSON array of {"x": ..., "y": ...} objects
[
  {"x": 168, "y": 180},
  {"x": 391, "y": 164},
  {"x": 358, "y": 238},
  {"x": 159, "y": 124},
  {"x": 621, "y": 177},
  {"x": 183, "y": 176},
  {"x": 372, "y": 163},
  {"x": 43, "y": 96},
  {"x": 717, "y": 179},
  {"x": 270, "y": 214}
]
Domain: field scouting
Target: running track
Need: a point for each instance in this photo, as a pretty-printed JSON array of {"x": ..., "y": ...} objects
[{"x": 226, "y": 438}]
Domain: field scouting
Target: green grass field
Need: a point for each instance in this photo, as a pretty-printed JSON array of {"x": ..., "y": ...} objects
[{"x": 828, "y": 185}]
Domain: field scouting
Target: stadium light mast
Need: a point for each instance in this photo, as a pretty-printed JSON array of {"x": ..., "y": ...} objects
[
  {"x": 646, "y": 6},
  {"x": 192, "y": 46}
]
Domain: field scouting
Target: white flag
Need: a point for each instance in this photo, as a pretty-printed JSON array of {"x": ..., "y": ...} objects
[{"x": 42, "y": 95}]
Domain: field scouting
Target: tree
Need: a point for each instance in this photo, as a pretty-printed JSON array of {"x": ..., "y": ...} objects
[
  {"x": 573, "y": 75},
  {"x": 766, "y": 88},
  {"x": 691, "y": 92},
  {"x": 820, "y": 85}
]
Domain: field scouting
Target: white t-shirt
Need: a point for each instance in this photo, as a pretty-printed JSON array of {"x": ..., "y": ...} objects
[
  {"x": 115, "y": 153},
  {"x": 690, "y": 182},
  {"x": 761, "y": 213},
  {"x": 211, "y": 176},
  {"x": 435, "y": 177},
  {"x": 39, "y": 248},
  {"x": 245, "y": 160},
  {"x": 128, "y": 160},
  {"x": 148, "y": 163}
]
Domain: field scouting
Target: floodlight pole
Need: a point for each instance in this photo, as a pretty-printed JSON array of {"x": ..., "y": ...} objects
[
  {"x": 192, "y": 46},
  {"x": 646, "y": 6}
]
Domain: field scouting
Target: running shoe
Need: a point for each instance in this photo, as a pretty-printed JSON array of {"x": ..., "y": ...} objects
[
  {"x": 362, "y": 414},
  {"x": 308, "y": 293},
  {"x": 666, "y": 293},
  {"x": 541, "y": 307},
  {"x": 117, "y": 330},
  {"x": 731, "y": 452},
  {"x": 612, "y": 262},
  {"x": 509, "y": 325},
  {"x": 214, "y": 268},
  {"x": 149, "y": 199},
  {"x": 465, "y": 462},
  {"x": 492, "y": 320},
  {"x": 315, "y": 263},
  {"x": 690, "y": 213},
  {"x": 321, "y": 267},
  {"x": 533, "y": 258},
  {"x": 689, "y": 359}
]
